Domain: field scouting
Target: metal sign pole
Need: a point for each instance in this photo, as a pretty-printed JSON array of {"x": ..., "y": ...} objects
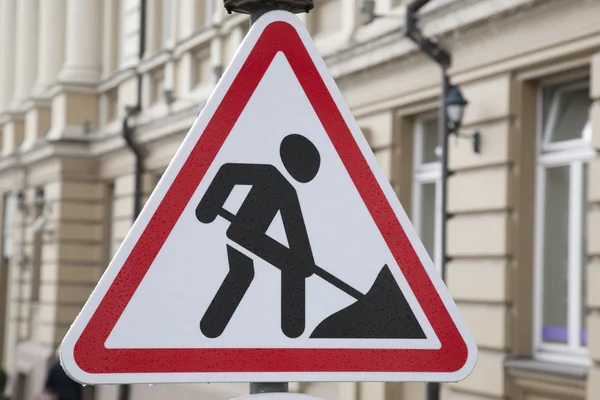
[
  {"x": 257, "y": 8},
  {"x": 265, "y": 387},
  {"x": 268, "y": 387}
]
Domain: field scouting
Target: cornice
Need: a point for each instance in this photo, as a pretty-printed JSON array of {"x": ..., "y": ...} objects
[
  {"x": 457, "y": 15},
  {"x": 116, "y": 78},
  {"x": 148, "y": 132}
]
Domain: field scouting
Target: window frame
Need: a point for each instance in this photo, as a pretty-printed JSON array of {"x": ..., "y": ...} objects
[
  {"x": 422, "y": 174},
  {"x": 573, "y": 153},
  {"x": 564, "y": 144}
]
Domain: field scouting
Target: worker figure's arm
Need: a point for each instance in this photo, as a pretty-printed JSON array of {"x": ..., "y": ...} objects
[{"x": 220, "y": 188}]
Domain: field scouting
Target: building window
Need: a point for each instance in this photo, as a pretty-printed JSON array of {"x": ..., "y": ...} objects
[
  {"x": 10, "y": 207},
  {"x": 36, "y": 257},
  {"x": 560, "y": 254},
  {"x": 426, "y": 184}
]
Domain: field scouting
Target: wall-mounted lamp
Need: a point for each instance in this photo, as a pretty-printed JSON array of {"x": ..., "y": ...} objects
[
  {"x": 21, "y": 205},
  {"x": 218, "y": 71},
  {"x": 455, "y": 107},
  {"x": 39, "y": 197},
  {"x": 169, "y": 96},
  {"x": 455, "y": 104}
]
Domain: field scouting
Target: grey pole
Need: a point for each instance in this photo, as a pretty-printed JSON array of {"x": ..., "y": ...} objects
[
  {"x": 268, "y": 387},
  {"x": 265, "y": 387},
  {"x": 443, "y": 58},
  {"x": 257, "y": 14},
  {"x": 256, "y": 9},
  {"x": 444, "y": 136}
]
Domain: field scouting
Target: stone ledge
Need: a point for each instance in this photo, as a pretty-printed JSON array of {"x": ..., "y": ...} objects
[
  {"x": 529, "y": 379},
  {"x": 544, "y": 367}
]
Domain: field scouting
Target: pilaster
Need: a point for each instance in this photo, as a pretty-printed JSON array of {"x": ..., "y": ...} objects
[
  {"x": 74, "y": 112},
  {"x": 7, "y": 52},
  {"x": 479, "y": 201},
  {"x": 593, "y": 236},
  {"x": 83, "y": 46},
  {"x": 37, "y": 122},
  {"x": 26, "y": 50},
  {"x": 51, "y": 43},
  {"x": 13, "y": 133}
]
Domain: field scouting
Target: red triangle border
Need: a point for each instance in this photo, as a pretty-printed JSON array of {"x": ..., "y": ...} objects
[{"x": 93, "y": 357}]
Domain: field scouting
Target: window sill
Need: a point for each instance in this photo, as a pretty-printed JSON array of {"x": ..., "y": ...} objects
[{"x": 545, "y": 367}]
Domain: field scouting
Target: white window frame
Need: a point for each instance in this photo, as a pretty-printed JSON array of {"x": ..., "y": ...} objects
[
  {"x": 574, "y": 153},
  {"x": 9, "y": 209},
  {"x": 426, "y": 173}
]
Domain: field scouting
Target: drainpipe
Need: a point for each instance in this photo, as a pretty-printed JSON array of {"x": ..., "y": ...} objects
[
  {"x": 127, "y": 132},
  {"x": 443, "y": 59}
]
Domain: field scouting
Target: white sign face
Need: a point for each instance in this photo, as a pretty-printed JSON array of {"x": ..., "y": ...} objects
[{"x": 272, "y": 249}]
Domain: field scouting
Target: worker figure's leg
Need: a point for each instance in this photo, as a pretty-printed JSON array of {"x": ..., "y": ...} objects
[
  {"x": 293, "y": 303},
  {"x": 229, "y": 295}
]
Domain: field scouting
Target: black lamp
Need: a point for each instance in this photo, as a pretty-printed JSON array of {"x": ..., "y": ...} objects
[
  {"x": 455, "y": 104},
  {"x": 455, "y": 107},
  {"x": 21, "y": 201},
  {"x": 39, "y": 196}
]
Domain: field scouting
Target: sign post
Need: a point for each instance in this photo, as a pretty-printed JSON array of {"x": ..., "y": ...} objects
[
  {"x": 257, "y": 8},
  {"x": 278, "y": 396},
  {"x": 273, "y": 249}
]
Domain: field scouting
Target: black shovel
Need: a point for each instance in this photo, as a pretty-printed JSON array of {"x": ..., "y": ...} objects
[{"x": 381, "y": 313}]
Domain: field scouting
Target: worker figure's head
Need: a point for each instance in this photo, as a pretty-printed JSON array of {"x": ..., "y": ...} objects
[{"x": 300, "y": 157}]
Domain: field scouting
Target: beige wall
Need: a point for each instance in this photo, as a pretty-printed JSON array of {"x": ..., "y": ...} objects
[
  {"x": 501, "y": 52},
  {"x": 593, "y": 232}
]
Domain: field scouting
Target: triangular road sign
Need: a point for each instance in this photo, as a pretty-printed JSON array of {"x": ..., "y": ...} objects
[{"x": 272, "y": 249}]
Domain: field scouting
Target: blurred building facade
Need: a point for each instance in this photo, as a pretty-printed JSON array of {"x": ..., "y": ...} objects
[{"x": 524, "y": 236}]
